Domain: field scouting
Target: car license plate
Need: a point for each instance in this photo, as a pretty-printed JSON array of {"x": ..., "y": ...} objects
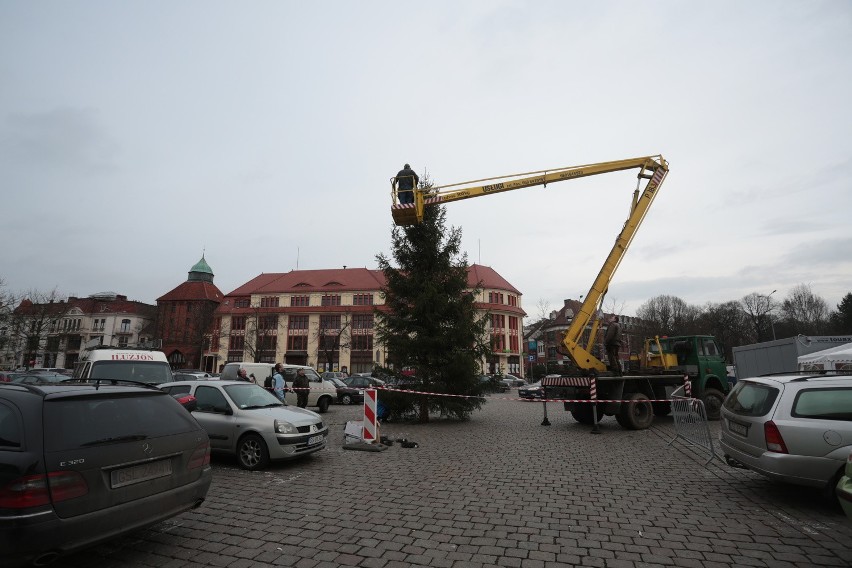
[
  {"x": 737, "y": 428},
  {"x": 313, "y": 440},
  {"x": 140, "y": 473}
]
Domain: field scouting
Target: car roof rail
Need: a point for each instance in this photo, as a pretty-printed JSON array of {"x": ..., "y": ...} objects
[{"x": 27, "y": 387}]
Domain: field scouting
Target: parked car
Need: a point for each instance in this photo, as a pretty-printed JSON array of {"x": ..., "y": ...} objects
[
  {"x": 194, "y": 372},
  {"x": 347, "y": 394},
  {"x": 790, "y": 428},
  {"x": 52, "y": 370},
  {"x": 247, "y": 421},
  {"x": 362, "y": 382},
  {"x": 177, "y": 376},
  {"x": 40, "y": 378},
  {"x": 493, "y": 384},
  {"x": 531, "y": 391},
  {"x": 844, "y": 489},
  {"x": 328, "y": 375},
  {"x": 511, "y": 380},
  {"x": 9, "y": 376},
  {"x": 117, "y": 459}
]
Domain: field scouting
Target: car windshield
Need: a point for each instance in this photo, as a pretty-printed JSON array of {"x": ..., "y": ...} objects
[
  {"x": 151, "y": 372},
  {"x": 824, "y": 404},
  {"x": 751, "y": 399},
  {"x": 338, "y": 383},
  {"x": 249, "y": 396}
]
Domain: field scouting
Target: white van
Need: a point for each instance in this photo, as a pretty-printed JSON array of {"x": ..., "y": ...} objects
[
  {"x": 322, "y": 393},
  {"x": 124, "y": 364}
]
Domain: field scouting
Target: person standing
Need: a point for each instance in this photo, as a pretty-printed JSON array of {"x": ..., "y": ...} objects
[
  {"x": 302, "y": 387},
  {"x": 278, "y": 384},
  {"x": 405, "y": 182},
  {"x": 612, "y": 341},
  {"x": 242, "y": 375}
]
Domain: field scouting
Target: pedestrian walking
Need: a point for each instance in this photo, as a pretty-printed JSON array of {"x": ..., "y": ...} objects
[
  {"x": 278, "y": 384},
  {"x": 405, "y": 182},
  {"x": 302, "y": 387},
  {"x": 612, "y": 341}
]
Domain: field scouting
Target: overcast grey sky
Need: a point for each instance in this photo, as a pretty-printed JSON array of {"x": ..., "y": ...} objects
[{"x": 134, "y": 135}]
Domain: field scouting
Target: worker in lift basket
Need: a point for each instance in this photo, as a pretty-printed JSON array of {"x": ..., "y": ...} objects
[
  {"x": 405, "y": 182},
  {"x": 612, "y": 341}
]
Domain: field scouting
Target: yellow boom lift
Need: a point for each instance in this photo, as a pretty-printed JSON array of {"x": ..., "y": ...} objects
[{"x": 652, "y": 170}]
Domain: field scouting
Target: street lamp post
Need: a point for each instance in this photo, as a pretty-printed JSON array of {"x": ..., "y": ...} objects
[{"x": 768, "y": 311}]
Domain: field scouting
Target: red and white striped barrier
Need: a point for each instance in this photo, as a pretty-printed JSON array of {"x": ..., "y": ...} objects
[
  {"x": 370, "y": 428},
  {"x": 402, "y": 391}
]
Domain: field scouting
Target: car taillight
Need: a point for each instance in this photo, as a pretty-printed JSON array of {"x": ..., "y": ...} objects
[
  {"x": 774, "y": 441},
  {"x": 200, "y": 456},
  {"x": 36, "y": 490}
]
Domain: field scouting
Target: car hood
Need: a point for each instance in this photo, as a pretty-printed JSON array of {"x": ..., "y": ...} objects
[
  {"x": 532, "y": 386},
  {"x": 292, "y": 414}
]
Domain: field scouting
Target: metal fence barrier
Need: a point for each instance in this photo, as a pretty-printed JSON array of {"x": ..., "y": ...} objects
[{"x": 690, "y": 420}]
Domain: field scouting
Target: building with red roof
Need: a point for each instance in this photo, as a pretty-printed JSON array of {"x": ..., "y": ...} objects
[
  {"x": 184, "y": 318},
  {"x": 324, "y": 318}
]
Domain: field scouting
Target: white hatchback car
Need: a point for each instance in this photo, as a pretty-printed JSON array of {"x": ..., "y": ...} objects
[
  {"x": 791, "y": 428},
  {"x": 247, "y": 421}
]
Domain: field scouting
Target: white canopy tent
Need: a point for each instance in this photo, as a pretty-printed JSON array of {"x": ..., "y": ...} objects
[{"x": 837, "y": 358}]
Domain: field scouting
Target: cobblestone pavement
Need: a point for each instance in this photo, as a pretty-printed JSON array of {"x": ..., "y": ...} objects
[{"x": 499, "y": 490}]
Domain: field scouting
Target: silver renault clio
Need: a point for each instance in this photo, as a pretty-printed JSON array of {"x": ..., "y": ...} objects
[
  {"x": 793, "y": 428},
  {"x": 247, "y": 421}
]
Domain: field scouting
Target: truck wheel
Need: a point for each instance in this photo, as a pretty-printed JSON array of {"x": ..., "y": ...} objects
[
  {"x": 661, "y": 408},
  {"x": 322, "y": 404},
  {"x": 713, "y": 400},
  {"x": 582, "y": 413},
  {"x": 636, "y": 414}
]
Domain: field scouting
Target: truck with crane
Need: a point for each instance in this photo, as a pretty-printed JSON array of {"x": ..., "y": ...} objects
[{"x": 665, "y": 364}]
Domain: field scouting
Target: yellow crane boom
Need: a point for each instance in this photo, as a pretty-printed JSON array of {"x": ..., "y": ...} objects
[{"x": 653, "y": 169}]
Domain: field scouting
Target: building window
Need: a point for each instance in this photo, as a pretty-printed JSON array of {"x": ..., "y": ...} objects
[
  {"x": 362, "y": 300},
  {"x": 330, "y": 321},
  {"x": 237, "y": 343},
  {"x": 268, "y": 322},
  {"x": 269, "y": 302},
  {"x": 300, "y": 301},
  {"x": 122, "y": 340},
  {"x": 362, "y": 321},
  {"x": 242, "y": 303},
  {"x": 362, "y": 343},
  {"x": 298, "y": 322},
  {"x": 498, "y": 321},
  {"x": 238, "y": 323},
  {"x": 297, "y": 343},
  {"x": 330, "y": 300},
  {"x": 125, "y": 326}
]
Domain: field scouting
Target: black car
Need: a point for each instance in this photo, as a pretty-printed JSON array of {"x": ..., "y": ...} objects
[
  {"x": 117, "y": 458},
  {"x": 347, "y": 394},
  {"x": 493, "y": 384}
]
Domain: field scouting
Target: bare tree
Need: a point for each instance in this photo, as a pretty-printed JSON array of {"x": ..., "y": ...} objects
[
  {"x": 333, "y": 336},
  {"x": 262, "y": 330},
  {"x": 805, "y": 312},
  {"x": 667, "y": 315},
  {"x": 727, "y": 323},
  {"x": 758, "y": 309}
]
